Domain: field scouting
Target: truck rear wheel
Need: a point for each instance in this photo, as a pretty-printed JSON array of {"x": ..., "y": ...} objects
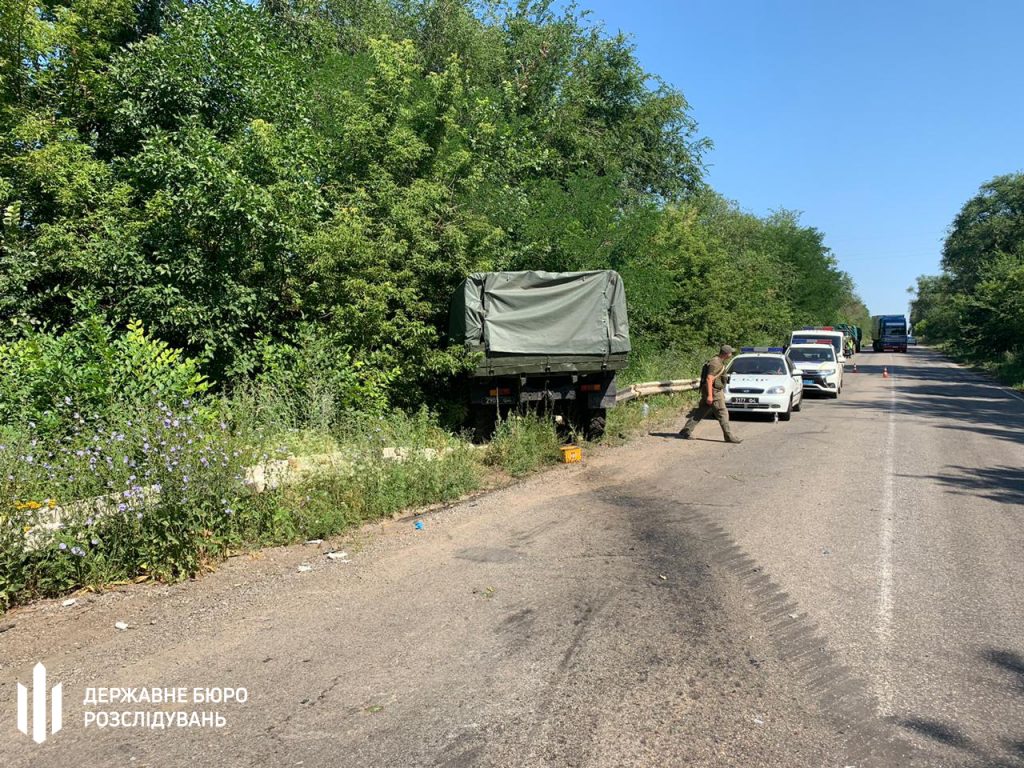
[
  {"x": 595, "y": 424},
  {"x": 484, "y": 421}
]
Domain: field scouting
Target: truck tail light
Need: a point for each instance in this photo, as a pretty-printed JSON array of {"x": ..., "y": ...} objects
[
  {"x": 500, "y": 391},
  {"x": 590, "y": 387}
]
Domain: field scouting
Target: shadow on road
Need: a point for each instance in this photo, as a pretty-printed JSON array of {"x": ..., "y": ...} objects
[
  {"x": 676, "y": 436},
  {"x": 933, "y": 729},
  {"x": 1002, "y": 484},
  {"x": 955, "y": 398},
  {"x": 1011, "y": 749},
  {"x": 1009, "y": 661}
]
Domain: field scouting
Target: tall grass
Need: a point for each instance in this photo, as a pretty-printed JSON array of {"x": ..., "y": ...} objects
[
  {"x": 161, "y": 492},
  {"x": 522, "y": 444},
  {"x": 365, "y": 481},
  {"x": 663, "y": 365},
  {"x": 1011, "y": 370}
]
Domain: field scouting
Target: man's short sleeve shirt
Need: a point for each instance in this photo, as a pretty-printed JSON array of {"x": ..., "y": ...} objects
[{"x": 715, "y": 370}]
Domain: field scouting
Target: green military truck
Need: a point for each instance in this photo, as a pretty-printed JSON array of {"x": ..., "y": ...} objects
[
  {"x": 853, "y": 331},
  {"x": 547, "y": 340}
]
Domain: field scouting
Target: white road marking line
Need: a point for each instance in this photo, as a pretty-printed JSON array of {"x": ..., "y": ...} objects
[{"x": 885, "y": 571}]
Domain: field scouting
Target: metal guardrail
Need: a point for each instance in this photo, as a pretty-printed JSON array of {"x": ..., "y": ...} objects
[{"x": 648, "y": 388}]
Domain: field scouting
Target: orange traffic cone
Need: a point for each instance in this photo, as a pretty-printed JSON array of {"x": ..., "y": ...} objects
[{"x": 885, "y": 373}]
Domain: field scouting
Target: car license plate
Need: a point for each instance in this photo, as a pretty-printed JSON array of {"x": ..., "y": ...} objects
[
  {"x": 809, "y": 381},
  {"x": 744, "y": 399}
]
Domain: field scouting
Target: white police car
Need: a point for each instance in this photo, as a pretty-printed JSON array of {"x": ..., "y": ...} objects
[
  {"x": 763, "y": 380},
  {"x": 819, "y": 368}
]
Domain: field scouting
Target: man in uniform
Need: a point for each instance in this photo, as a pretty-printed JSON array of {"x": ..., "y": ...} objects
[{"x": 712, "y": 396}]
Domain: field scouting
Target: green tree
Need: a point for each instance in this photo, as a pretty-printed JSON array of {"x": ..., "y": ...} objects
[
  {"x": 989, "y": 224},
  {"x": 976, "y": 304},
  {"x": 243, "y": 176}
]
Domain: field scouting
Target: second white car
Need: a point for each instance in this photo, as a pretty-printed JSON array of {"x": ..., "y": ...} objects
[{"x": 820, "y": 370}]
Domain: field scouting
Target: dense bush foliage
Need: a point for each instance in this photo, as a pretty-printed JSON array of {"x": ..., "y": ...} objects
[
  {"x": 245, "y": 220},
  {"x": 976, "y": 306},
  {"x": 234, "y": 174},
  {"x": 91, "y": 367}
]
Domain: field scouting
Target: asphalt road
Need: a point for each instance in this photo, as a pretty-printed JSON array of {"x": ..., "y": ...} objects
[{"x": 841, "y": 590}]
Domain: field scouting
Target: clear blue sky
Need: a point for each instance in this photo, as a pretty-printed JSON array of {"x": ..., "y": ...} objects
[{"x": 877, "y": 120}]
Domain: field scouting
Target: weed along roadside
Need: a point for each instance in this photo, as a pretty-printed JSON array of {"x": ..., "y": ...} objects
[
  {"x": 183, "y": 492},
  {"x": 174, "y": 500}
]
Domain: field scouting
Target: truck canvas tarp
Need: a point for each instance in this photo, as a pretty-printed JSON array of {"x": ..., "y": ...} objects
[{"x": 543, "y": 321}]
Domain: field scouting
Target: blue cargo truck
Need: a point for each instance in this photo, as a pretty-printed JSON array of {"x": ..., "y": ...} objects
[{"x": 889, "y": 333}]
